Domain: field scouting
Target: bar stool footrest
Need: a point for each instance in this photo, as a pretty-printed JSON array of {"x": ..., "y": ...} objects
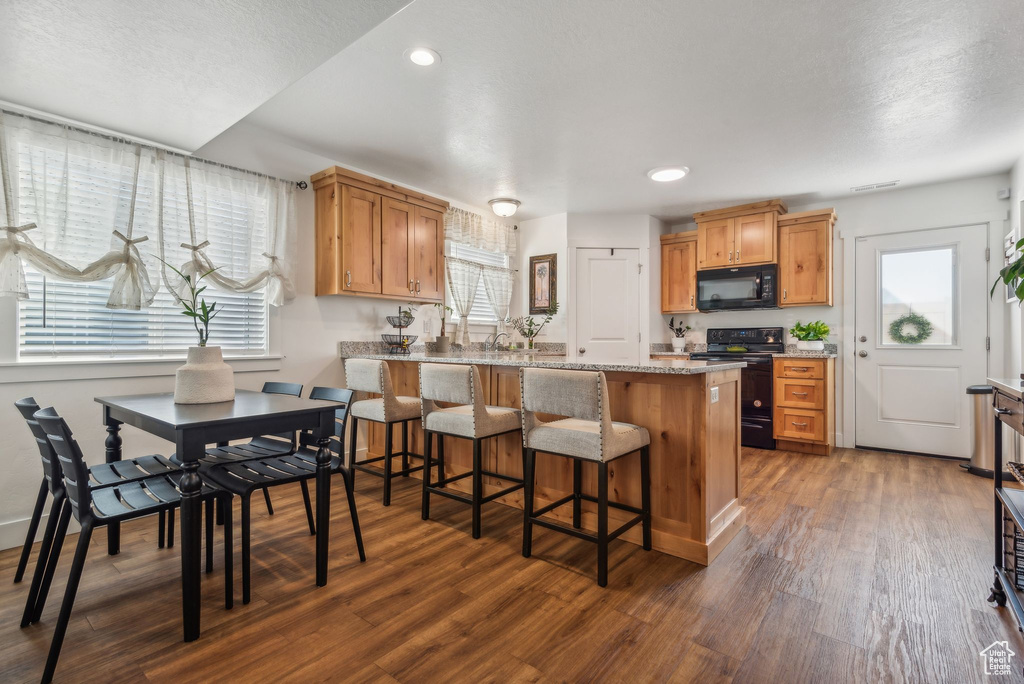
[
  {"x": 559, "y": 527},
  {"x": 614, "y": 504},
  {"x": 451, "y": 494},
  {"x": 501, "y": 493}
]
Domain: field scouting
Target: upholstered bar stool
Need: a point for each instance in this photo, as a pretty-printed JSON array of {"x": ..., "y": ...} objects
[
  {"x": 586, "y": 434},
  {"x": 471, "y": 419},
  {"x": 368, "y": 375}
]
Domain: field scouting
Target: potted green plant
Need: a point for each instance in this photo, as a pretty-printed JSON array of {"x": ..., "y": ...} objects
[
  {"x": 528, "y": 327},
  {"x": 205, "y": 378},
  {"x": 678, "y": 334},
  {"x": 810, "y": 337},
  {"x": 443, "y": 341},
  {"x": 1012, "y": 275}
]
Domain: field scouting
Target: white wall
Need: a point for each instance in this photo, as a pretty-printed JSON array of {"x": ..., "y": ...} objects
[
  {"x": 305, "y": 332},
  {"x": 1014, "y": 356},
  {"x": 962, "y": 202},
  {"x": 537, "y": 237}
]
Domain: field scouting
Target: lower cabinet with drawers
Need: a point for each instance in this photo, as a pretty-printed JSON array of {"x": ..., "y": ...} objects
[{"x": 804, "y": 400}]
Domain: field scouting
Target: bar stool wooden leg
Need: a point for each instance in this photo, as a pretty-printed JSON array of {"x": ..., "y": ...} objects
[
  {"x": 405, "y": 448},
  {"x": 478, "y": 485},
  {"x": 528, "y": 456},
  {"x": 577, "y": 489},
  {"x": 388, "y": 455},
  {"x": 645, "y": 494},
  {"x": 353, "y": 440},
  {"x": 602, "y": 524},
  {"x": 428, "y": 441}
]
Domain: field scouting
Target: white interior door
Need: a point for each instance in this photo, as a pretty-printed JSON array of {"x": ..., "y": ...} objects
[
  {"x": 608, "y": 304},
  {"x": 910, "y": 393}
]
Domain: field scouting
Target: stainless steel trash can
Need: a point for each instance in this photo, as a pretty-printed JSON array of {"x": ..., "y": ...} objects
[{"x": 983, "y": 452}]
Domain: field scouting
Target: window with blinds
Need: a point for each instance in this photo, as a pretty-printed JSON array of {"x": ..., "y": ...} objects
[
  {"x": 71, "y": 319},
  {"x": 481, "y": 312}
]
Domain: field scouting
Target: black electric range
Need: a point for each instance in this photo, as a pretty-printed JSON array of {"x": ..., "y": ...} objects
[{"x": 755, "y": 346}]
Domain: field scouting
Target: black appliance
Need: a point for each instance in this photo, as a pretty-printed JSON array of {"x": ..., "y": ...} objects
[
  {"x": 743, "y": 287},
  {"x": 755, "y": 346}
]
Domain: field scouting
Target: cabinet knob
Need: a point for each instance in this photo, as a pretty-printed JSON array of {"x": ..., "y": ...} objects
[
  {"x": 348, "y": 278},
  {"x": 691, "y": 300},
  {"x": 412, "y": 290},
  {"x": 417, "y": 287},
  {"x": 784, "y": 294},
  {"x": 737, "y": 256},
  {"x": 730, "y": 257},
  {"x": 583, "y": 350}
]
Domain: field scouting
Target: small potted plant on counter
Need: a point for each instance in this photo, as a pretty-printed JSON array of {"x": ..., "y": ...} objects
[
  {"x": 678, "y": 334},
  {"x": 810, "y": 337},
  {"x": 443, "y": 342},
  {"x": 529, "y": 328}
]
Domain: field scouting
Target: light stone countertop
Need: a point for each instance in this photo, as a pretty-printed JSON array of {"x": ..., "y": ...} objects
[
  {"x": 1009, "y": 386},
  {"x": 673, "y": 366}
]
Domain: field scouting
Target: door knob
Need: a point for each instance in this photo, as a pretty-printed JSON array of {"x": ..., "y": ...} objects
[
  {"x": 862, "y": 354},
  {"x": 583, "y": 350},
  {"x": 863, "y": 338}
]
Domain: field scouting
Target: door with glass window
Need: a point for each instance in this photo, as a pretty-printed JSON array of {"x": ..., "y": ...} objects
[{"x": 921, "y": 330}]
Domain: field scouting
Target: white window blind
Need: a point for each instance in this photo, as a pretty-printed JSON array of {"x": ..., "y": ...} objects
[
  {"x": 481, "y": 312},
  {"x": 71, "y": 319}
]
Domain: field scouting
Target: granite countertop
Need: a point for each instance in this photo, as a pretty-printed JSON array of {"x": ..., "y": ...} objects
[
  {"x": 1011, "y": 386},
  {"x": 675, "y": 366},
  {"x": 793, "y": 354}
]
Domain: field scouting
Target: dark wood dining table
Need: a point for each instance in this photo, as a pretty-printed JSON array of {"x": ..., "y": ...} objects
[{"x": 191, "y": 427}]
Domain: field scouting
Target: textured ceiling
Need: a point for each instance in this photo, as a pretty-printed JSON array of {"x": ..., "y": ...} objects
[
  {"x": 176, "y": 72},
  {"x": 565, "y": 105}
]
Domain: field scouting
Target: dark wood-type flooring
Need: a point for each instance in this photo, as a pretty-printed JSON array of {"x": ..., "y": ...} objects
[{"x": 861, "y": 566}]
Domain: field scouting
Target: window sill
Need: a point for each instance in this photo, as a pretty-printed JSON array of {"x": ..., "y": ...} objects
[{"x": 55, "y": 370}]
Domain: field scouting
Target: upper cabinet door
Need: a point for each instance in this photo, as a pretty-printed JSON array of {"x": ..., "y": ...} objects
[
  {"x": 426, "y": 254},
  {"x": 715, "y": 243},
  {"x": 396, "y": 248},
  {"x": 360, "y": 241},
  {"x": 679, "y": 276},
  {"x": 754, "y": 241},
  {"x": 805, "y": 264}
]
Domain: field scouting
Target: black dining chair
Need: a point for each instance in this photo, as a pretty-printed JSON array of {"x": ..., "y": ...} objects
[
  {"x": 101, "y": 475},
  {"x": 244, "y": 477},
  {"x": 96, "y": 507},
  {"x": 257, "y": 447}
]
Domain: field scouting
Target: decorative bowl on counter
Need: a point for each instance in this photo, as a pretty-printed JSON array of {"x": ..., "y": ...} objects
[{"x": 403, "y": 321}]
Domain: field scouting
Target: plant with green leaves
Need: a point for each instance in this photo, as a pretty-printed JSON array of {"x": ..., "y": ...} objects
[
  {"x": 442, "y": 312},
  {"x": 528, "y": 327},
  {"x": 1012, "y": 275},
  {"x": 196, "y": 308},
  {"x": 818, "y": 330},
  {"x": 678, "y": 330}
]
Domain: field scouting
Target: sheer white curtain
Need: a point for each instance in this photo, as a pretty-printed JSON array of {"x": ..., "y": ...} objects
[
  {"x": 463, "y": 278},
  {"x": 82, "y": 207},
  {"x": 498, "y": 284}
]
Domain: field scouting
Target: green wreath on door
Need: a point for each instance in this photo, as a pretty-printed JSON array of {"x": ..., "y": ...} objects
[{"x": 922, "y": 329}]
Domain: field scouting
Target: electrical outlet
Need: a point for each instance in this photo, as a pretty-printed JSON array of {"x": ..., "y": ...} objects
[{"x": 714, "y": 395}]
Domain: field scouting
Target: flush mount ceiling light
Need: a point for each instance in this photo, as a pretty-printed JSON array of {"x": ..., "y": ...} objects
[
  {"x": 664, "y": 174},
  {"x": 422, "y": 56},
  {"x": 503, "y": 206}
]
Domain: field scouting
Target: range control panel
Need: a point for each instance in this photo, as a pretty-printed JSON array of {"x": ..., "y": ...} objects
[{"x": 754, "y": 339}]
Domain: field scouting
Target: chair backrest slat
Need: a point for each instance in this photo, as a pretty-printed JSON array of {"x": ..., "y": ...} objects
[
  {"x": 293, "y": 389},
  {"x": 51, "y": 467},
  {"x": 72, "y": 462},
  {"x": 342, "y": 397}
]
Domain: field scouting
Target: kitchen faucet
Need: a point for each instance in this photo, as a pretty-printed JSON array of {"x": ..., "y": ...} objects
[{"x": 491, "y": 344}]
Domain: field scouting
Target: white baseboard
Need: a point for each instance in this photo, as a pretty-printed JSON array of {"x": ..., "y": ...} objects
[{"x": 12, "y": 532}]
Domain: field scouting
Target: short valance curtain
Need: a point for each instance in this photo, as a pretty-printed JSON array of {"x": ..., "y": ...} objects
[
  {"x": 81, "y": 207},
  {"x": 464, "y": 277}
]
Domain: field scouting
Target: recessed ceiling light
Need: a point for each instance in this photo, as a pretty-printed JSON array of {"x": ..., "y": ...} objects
[
  {"x": 664, "y": 174},
  {"x": 503, "y": 206},
  {"x": 422, "y": 56}
]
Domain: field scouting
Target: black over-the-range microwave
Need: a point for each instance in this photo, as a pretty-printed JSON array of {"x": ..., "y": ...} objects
[{"x": 743, "y": 287}]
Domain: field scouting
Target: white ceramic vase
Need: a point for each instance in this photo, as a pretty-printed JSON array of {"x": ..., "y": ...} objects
[
  {"x": 678, "y": 344},
  {"x": 810, "y": 345},
  {"x": 205, "y": 378}
]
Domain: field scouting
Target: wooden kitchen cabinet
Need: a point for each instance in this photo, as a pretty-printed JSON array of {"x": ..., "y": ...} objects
[
  {"x": 377, "y": 239},
  {"x": 804, "y": 404},
  {"x": 744, "y": 235},
  {"x": 805, "y": 258},
  {"x": 679, "y": 273}
]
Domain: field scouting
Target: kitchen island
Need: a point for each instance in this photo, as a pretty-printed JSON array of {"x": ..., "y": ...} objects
[{"x": 690, "y": 408}]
